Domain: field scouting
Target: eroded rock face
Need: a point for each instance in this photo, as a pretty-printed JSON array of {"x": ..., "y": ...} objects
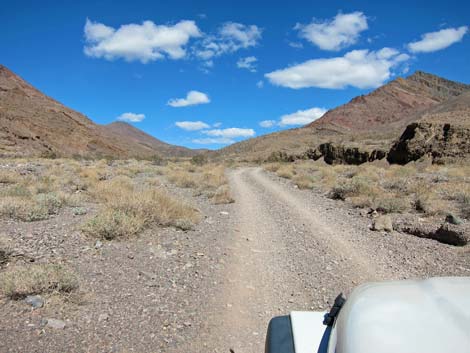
[
  {"x": 441, "y": 141},
  {"x": 340, "y": 154}
]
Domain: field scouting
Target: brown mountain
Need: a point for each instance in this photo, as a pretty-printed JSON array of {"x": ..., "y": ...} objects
[
  {"x": 32, "y": 123},
  {"x": 392, "y": 105},
  {"x": 372, "y": 121},
  {"x": 130, "y": 137}
]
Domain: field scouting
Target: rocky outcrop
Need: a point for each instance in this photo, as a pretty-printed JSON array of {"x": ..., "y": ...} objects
[
  {"x": 441, "y": 141},
  {"x": 341, "y": 154},
  {"x": 447, "y": 233}
]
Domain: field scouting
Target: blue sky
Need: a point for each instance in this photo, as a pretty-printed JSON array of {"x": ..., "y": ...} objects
[{"x": 208, "y": 73}]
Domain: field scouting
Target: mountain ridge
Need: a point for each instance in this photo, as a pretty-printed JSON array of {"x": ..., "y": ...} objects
[
  {"x": 32, "y": 123},
  {"x": 376, "y": 118}
]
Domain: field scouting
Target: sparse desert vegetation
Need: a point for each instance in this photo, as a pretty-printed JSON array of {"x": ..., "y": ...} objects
[
  {"x": 206, "y": 179},
  {"x": 17, "y": 282},
  {"x": 428, "y": 190}
]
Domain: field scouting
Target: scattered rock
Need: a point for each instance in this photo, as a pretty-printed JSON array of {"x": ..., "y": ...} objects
[
  {"x": 382, "y": 223},
  {"x": 56, "y": 324},
  {"x": 98, "y": 244},
  {"x": 224, "y": 213},
  {"x": 35, "y": 301}
]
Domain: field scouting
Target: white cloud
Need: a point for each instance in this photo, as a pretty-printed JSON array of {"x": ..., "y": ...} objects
[
  {"x": 260, "y": 84},
  {"x": 248, "y": 63},
  {"x": 192, "y": 125},
  {"x": 434, "y": 41},
  {"x": 219, "y": 124},
  {"x": 139, "y": 42},
  {"x": 230, "y": 38},
  {"x": 192, "y": 98},
  {"x": 267, "y": 123},
  {"x": 131, "y": 117},
  {"x": 214, "y": 141},
  {"x": 357, "y": 68},
  {"x": 232, "y": 132},
  {"x": 302, "y": 117},
  {"x": 340, "y": 32}
]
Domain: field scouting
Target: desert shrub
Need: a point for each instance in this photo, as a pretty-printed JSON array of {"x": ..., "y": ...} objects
[
  {"x": 272, "y": 167},
  {"x": 213, "y": 177},
  {"x": 222, "y": 195},
  {"x": 327, "y": 176},
  {"x": 304, "y": 181},
  {"x": 427, "y": 202},
  {"x": 286, "y": 171},
  {"x": 23, "y": 209},
  {"x": 158, "y": 160},
  {"x": 391, "y": 204},
  {"x": 355, "y": 186},
  {"x": 8, "y": 177},
  {"x": 128, "y": 209},
  {"x": 182, "y": 178},
  {"x": 362, "y": 201},
  {"x": 199, "y": 159},
  {"x": 20, "y": 281},
  {"x": 109, "y": 224}
]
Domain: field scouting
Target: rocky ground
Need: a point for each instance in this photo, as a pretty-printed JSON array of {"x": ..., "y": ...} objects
[{"x": 213, "y": 288}]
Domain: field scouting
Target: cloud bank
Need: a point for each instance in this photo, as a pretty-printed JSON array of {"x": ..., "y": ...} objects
[
  {"x": 357, "y": 68},
  {"x": 144, "y": 42}
]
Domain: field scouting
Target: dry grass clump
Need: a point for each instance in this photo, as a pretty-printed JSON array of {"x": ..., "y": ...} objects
[
  {"x": 286, "y": 171},
  {"x": 129, "y": 208},
  {"x": 182, "y": 178},
  {"x": 222, "y": 195},
  {"x": 40, "y": 190},
  {"x": 353, "y": 187},
  {"x": 8, "y": 177},
  {"x": 272, "y": 167},
  {"x": 304, "y": 181},
  {"x": 20, "y": 281},
  {"x": 208, "y": 179}
]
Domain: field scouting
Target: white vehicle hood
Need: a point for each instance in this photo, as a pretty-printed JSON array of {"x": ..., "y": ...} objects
[{"x": 431, "y": 316}]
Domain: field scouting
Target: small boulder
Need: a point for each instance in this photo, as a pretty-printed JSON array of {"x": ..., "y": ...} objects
[
  {"x": 382, "y": 223},
  {"x": 35, "y": 301}
]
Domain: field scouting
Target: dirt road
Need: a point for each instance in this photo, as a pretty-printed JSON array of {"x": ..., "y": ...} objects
[{"x": 284, "y": 255}]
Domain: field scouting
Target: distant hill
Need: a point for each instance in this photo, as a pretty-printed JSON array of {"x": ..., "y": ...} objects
[
  {"x": 133, "y": 139},
  {"x": 32, "y": 123},
  {"x": 375, "y": 119}
]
